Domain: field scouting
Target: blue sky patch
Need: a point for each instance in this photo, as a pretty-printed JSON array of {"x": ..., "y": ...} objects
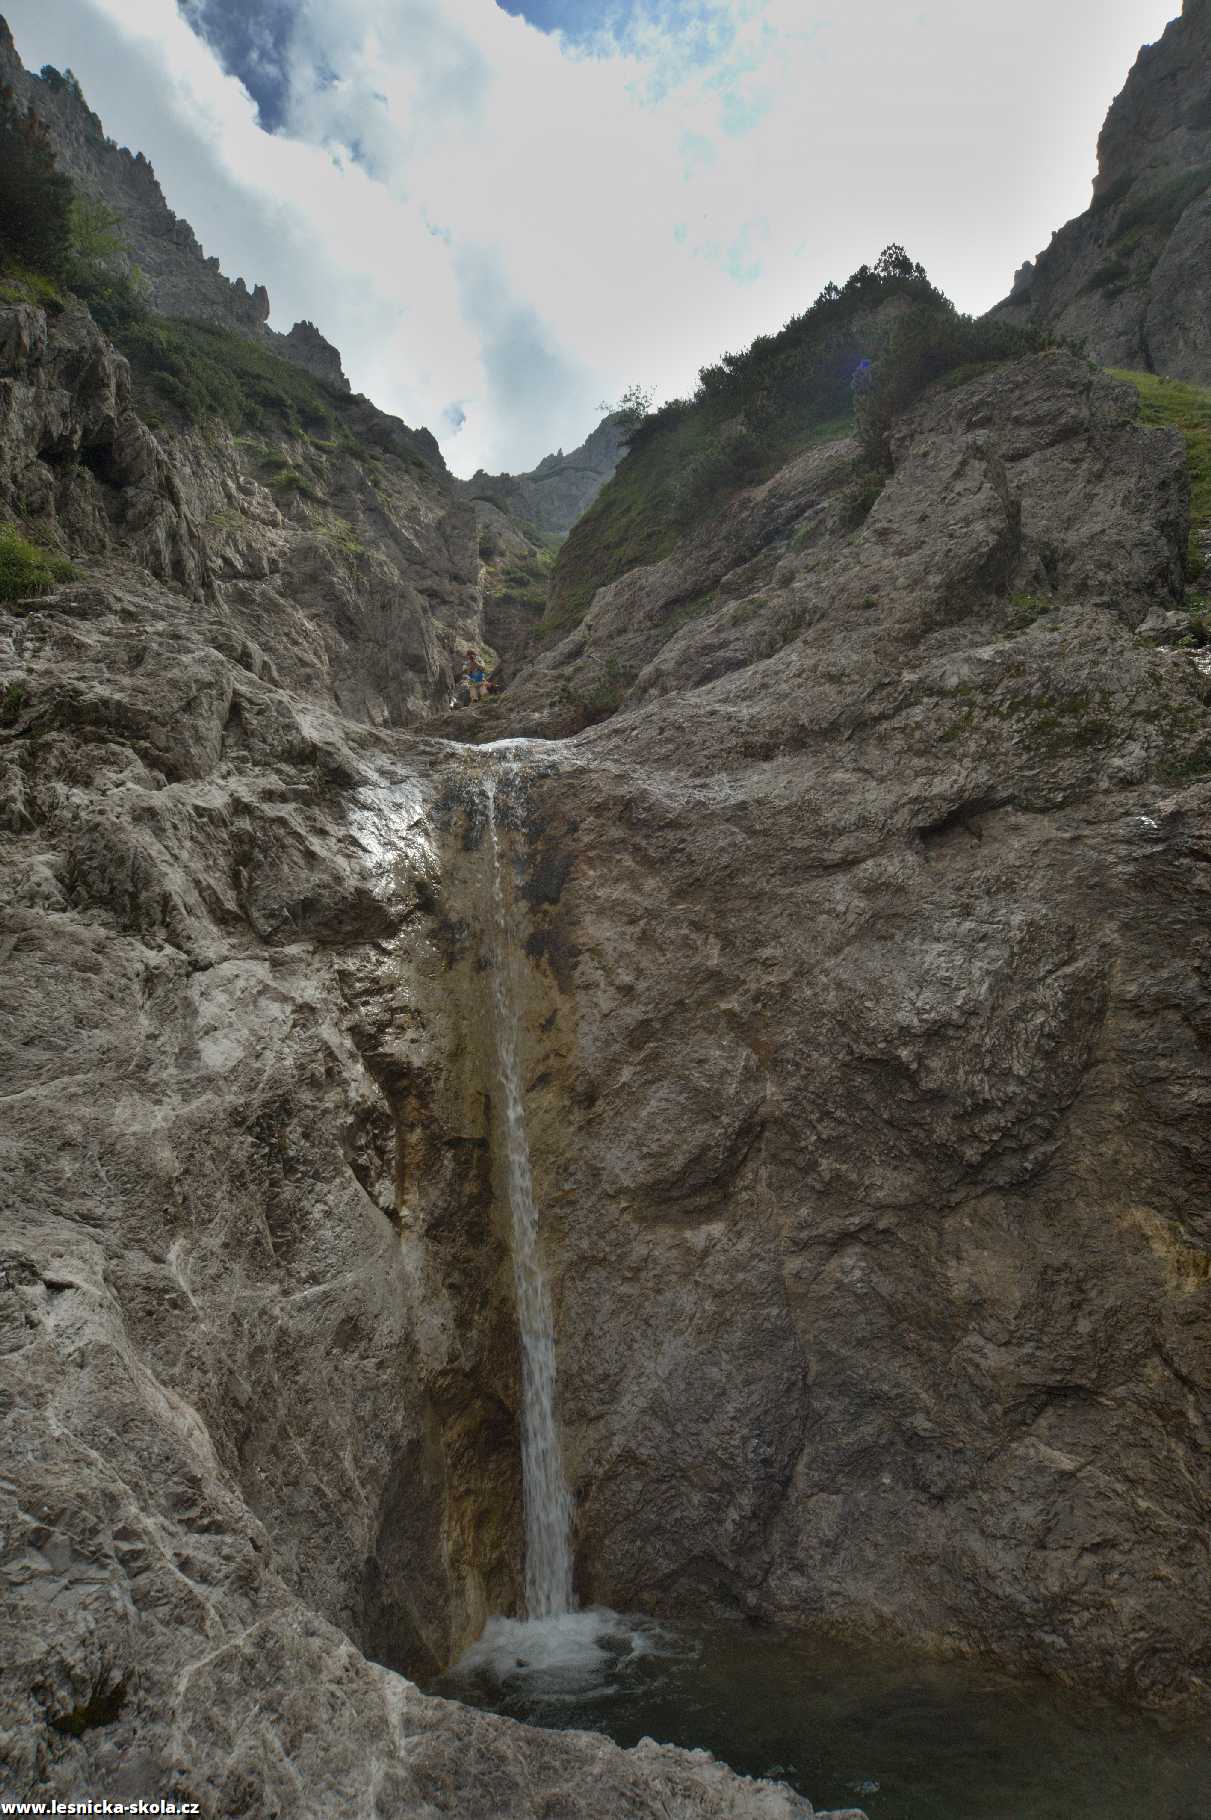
[
  {"x": 251, "y": 44},
  {"x": 703, "y": 27}
]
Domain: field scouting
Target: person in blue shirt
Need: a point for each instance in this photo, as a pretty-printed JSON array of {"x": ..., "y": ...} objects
[{"x": 473, "y": 675}]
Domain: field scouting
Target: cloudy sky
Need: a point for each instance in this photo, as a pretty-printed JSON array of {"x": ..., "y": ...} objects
[{"x": 505, "y": 213}]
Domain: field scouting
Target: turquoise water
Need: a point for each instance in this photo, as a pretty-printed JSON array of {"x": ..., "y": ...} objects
[{"x": 902, "y": 1739}]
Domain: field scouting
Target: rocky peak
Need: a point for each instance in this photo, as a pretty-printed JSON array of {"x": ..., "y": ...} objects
[
  {"x": 1161, "y": 119},
  {"x": 552, "y": 496},
  {"x": 309, "y": 349},
  {"x": 182, "y": 280},
  {"x": 1129, "y": 276}
]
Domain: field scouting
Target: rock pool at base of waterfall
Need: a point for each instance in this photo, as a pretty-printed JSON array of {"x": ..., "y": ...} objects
[{"x": 846, "y": 1725}]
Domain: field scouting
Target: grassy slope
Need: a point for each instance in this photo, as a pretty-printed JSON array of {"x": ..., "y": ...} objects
[
  {"x": 633, "y": 520},
  {"x": 652, "y": 501},
  {"x": 199, "y": 371},
  {"x": 196, "y": 371},
  {"x": 754, "y": 410},
  {"x": 26, "y": 570},
  {"x": 1186, "y": 408}
]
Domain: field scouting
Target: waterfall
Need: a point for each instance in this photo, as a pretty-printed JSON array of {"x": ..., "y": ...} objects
[{"x": 548, "y": 1505}]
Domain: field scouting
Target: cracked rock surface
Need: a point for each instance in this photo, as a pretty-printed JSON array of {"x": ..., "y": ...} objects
[
  {"x": 258, "y": 1376},
  {"x": 864, "y": 1027},
  {"x": 871, "y": 1128}
]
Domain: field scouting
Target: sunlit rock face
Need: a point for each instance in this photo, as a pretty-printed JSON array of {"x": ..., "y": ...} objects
[{"x": 1129, "y": 276}]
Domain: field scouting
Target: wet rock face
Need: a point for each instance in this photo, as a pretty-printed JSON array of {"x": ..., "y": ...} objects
[
  {"x": 873, "y": 1175},
  {"x": 1129, "y": 275},
  {"x": 864, "y": 1027},
  {"x": 256, "y": 1332}
]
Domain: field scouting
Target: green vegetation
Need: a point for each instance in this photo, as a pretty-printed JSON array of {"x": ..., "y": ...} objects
[
  {"x": 592, "y": 696},
  {"x": 96, "y": 267},
  {"x": 207, "y": 372},
  {"x": 12, "y": 700},
  {"x": 18, "y": 284},
  {"x": 524, "y": 580},
  {"x": 925, "y": 342},
  {"x": 864, "y": 489},
  {"x": 35, "y": 196},
  {"x": 289, "y": 480},
  {"x": 53, "y": 237},
  {"x": 331, "y": 529},
  {"x": 25, "y": 570},
  {"x": 56, "y": 239},
  {"x": 1026, "y": 608},
  {"x": 859, "y": 355},
  {"x": 631, "y": 409},
  {"x": 1186, "y": 408}
]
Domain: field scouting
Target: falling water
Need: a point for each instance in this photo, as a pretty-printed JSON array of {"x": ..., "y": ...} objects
[{"x": 548, "y": 1506}]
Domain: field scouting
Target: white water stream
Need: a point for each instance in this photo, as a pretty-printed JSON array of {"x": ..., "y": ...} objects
[{"x": 548, "y": 1506}]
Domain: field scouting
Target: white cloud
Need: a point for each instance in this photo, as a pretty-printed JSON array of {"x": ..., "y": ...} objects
[{"x": 499, "y": 230}]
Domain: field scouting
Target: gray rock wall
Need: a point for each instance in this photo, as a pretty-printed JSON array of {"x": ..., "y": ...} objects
[
  {"x": 865, "y": 1034},
  {"x": 182, "y": 281},
  {"x": 256, "y": 1334},
  {"x": 1130, "y": 275},
  {"x": 552, "y": 496},
  {"x": 871, "y": 1128},
  {"x": 355, "y": 582}
]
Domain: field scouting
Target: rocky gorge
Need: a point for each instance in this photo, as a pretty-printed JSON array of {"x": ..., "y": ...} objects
[{"x": 856, "y": 854}]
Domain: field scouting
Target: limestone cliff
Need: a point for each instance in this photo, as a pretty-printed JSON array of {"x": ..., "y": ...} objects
[
  {"x": 182, "y": 281},
  {"x": 1131, "y": 275},
  {"x": 522, "y": 520},
  {"x": 552, "y": 496},
  {"x": 872, "y": 1125},
  {"x": 258, "y": 1344},
  {"x": 342, "y": 566}
]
